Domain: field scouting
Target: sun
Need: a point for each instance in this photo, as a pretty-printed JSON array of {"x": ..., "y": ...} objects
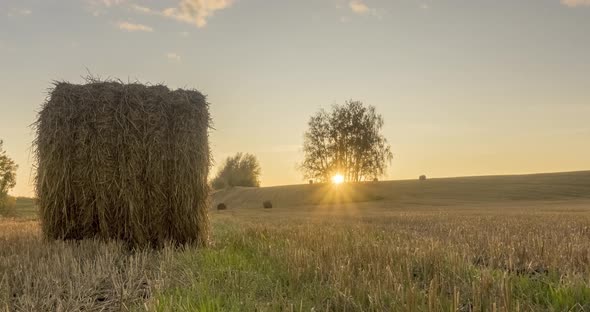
[{"x": 338, "y": 179}]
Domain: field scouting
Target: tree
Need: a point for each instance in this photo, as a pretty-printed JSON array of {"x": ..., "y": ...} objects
[
  {"x": 7, "y": 175},
  {"x": 346, "y": 140},
  {"x": 239, "y": 170}
]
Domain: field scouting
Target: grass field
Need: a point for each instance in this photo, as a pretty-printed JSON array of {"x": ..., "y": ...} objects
[{"x": 513, "y": 243}]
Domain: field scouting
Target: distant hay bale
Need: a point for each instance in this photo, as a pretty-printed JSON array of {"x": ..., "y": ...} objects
[
  {"x": 310, "y": 181},
  {"x": 221, "y": 206},
  {"x": 123, "y": 161},
  {"x": 267, "y": 204},
  {"x": 422, "y": 178}
]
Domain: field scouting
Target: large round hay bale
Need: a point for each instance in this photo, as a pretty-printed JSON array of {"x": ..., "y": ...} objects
[
  {"x": 422, "y": 178},
  {"x": 267, "y": 204},
  {"x": 221, "y": 206},
  {"x": 123, "y": 161}
]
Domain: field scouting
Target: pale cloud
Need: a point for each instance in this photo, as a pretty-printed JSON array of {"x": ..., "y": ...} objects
[
  {"x": 173, "y": 56},
  {"x": 196, "y": 12},
  {"x": 361, "y": 8},
  {"x": 134, "y": 27},
  {"x": 358, "y": 7},
  {"x": 97, "y": 7},
  {"x": 575, "y": 3},
  {"x": 144, "y": 10},
  {"x": 19, "y": 12},
  {"x": 109, "y": 3},
  {"x": 425, "y": 6}
]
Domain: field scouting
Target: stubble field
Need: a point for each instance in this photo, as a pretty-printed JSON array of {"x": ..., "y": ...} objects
[{"x": 471, "y": 244}]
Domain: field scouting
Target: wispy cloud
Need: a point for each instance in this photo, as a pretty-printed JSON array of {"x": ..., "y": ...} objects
[
  {"x": 98, "y": 7},
  {"x": 358, "y": 7},
  {"x": 424, "y": 6},
  {"x": 196, "y": 12},
  {"x": 109, "y": 3},
  {"x": 143, "y": 9},
  {"x": 361, "y": 8},
  {"x": 575, "y": 3},
  {"x": 19, "y": 12},
  {"x": 173, "y": 56},
  {"x": 134, "y": 27}
]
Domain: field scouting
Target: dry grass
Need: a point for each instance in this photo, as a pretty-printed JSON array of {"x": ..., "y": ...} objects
[
  {"x": 124, "y": 161},
  {"x": 386, "y": 255},
  {"x": 535, "y": 257},
  {"x": 70, "y": 276},
  {"x": 530, "y": 257}
]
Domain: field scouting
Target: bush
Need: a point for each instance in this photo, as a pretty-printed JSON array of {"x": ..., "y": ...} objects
[
  {"x": 267, "y": 204},
  {"x": 239, "y": 170},
  {"x": 422, "y": 178}
]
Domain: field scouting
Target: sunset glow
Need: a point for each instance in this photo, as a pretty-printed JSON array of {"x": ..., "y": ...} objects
[{"x": 338, "y": 179}]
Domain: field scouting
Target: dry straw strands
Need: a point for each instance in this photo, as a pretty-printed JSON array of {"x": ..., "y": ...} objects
[{"x": 123, "y": 161}]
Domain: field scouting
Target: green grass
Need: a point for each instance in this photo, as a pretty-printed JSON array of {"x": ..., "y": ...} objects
[
  {"x": 237, "y": 274},
  {"x": 22, "y": 208},
  {"x": 26, "y": 208}
]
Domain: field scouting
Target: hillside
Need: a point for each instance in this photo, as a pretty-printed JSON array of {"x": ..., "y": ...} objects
[
  {"x": 25, "y": 207},
  {"x": 484, "y": 189}
]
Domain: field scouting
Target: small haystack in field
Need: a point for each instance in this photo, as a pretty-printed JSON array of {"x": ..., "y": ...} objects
[
  {"x": 422, "y": 178},
  {"x": 123, "y": 161},
  {"x": 221, "y": 206},
  {"x": 267, "y": 204}
]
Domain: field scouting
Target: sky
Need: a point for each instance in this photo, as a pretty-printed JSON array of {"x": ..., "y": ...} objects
[{"x": 465, "y": 87}]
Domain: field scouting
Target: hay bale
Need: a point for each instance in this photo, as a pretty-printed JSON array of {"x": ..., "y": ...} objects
[
  {"x": 422, "y": 178},
  {"x": 221, "y": 206},
  {"x": 123, "y": 161},
  {"x": 267, "y": 204}
]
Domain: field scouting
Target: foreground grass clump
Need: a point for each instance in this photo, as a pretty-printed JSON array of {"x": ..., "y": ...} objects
[
  {"x": 526, "y": 258},
  {"x": 70, "y": 276}
]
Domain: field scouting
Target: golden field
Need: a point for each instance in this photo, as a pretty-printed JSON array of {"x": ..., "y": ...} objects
[{"x": 514, "y": 243}]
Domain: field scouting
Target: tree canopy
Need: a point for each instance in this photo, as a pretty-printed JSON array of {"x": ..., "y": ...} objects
[
  {"x": 7, "y": 174},
  {"x": 346, "y": 140},
  {"x": 238, "y": 170}
]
